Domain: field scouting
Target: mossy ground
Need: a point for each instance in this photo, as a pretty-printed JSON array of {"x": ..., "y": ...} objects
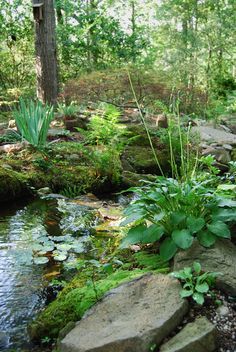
[
  {"x": 59, "y": 167},
  {"x": 79, "y": 295}
]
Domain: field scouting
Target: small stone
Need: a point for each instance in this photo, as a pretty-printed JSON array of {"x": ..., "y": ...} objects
[
  {"x": 227, "y": 146},
  {"x": 223, "y": 310}
]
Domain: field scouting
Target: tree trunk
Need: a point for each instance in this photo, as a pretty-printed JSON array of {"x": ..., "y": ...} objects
[{"x": 46, "y": 57}]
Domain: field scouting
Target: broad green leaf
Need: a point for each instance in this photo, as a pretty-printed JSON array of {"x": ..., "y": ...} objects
[
  {"x": 227, "y": 202},
  {"x": 186, "y": 293},
  {"x": 220, "y": 229},
  {"x": 182, "y": 238},
  {"x": 176, "y": 218},
  {"x": 135, "y": 235},
  {"x": 206, "y": 238},
  {"x": 198, "y": 297},
  {"x": 133, "y": 217},
  {"x": 158, "y": 217},
  {"x": 153, "y": 233},
  {"x": 202, "y": 288},
  {"x": 197, "y": 267},
  {"x": 224, "y": 214},
  {"x": 195, "y": 224},
  {"x": 168, "y": 249},
  {"x": 108, "y": 268},
  {"x": 60, "y": 257}
]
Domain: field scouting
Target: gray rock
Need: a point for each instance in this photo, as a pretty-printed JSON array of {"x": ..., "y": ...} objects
[
  {"x": 219, "y": 258},
  {"x": 221, "y": 154},
  {"x": 130, "y": 317},
  {"x": 228, "y": 147},
  {"x": 199, "y": 336},
  {"x": 223, "y": 310},
  {"x": 43, "y": 191},
  {"x": 215, "y": 135}
]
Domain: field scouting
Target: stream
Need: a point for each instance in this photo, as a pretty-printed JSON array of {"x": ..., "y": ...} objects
[{"x": 23, "y": 282}]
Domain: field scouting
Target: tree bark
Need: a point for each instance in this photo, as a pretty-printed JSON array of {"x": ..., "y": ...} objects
[{"x": 46, "y": 56}]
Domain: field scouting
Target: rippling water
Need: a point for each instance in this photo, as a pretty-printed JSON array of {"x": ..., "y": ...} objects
[{"x": 21, "y": 281}]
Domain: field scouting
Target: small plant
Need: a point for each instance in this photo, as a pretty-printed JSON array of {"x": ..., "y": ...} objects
[
  {"x": 195, "y": 283},
  {"x": 173, "y": 214},
  {"x": 67, "y": 110},
  {"x": 10, "y": 136},
  {"x": 33, "y": 120},
  {"x": 104, "y": 129},
  {"x": 73, "y": 191}
]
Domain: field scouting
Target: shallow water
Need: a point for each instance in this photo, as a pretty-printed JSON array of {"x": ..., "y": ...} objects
[
  {"x": 21, "y": 281},
  {"x": 64, "y": 226}
]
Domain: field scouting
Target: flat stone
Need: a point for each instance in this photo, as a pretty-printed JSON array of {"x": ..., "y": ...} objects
[
  {"x": 215, "y": 135},
  {"x": 130, "y": 317},
  {"x": 218, "y": 258},
  {"x": 199, "y": 336}
]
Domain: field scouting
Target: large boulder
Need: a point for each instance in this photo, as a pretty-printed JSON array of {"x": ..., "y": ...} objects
[
  {"x": 199, "y": 336},
  {"x": 219, "y": 258},
  {"x": 130, "y": 318},
  {"x": 210, "y": 135}
]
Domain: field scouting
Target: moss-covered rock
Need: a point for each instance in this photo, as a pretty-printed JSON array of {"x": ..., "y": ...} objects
[
  {"x": 141, "y": 160},
  {"x": 73, "y": 302},
  {"x": 12, "y": 185}
]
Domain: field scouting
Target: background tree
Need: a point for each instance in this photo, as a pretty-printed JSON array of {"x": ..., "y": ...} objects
[{"x": 46, "y": 56}]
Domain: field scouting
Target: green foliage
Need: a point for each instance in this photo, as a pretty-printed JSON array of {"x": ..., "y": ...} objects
[
  {"x": 33, "y": 120},
  {"x": 196, "y": 284},
  {"x": 72, "y": 191},
  {"x": 164, "y": 213},
  {"x": 67, "y": 110},
  {"x": 10, "y": 136},
  {"x": 74, "y": 300},
  {"x": 104, "y": 129}
]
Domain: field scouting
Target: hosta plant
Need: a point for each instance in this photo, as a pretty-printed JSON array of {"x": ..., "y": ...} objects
[
  {"x": 33, "y": 120},
  {"x": 195, "y": 282},
  {"x": 172, "y": 214}
]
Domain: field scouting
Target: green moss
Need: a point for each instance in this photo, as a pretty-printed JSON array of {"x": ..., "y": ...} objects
[
  {"x": 73, "y": 302},
  {"x": 142, "y": 161},
  {"x": 151, "y": 261},
  {"x": 12, "y": 185}
]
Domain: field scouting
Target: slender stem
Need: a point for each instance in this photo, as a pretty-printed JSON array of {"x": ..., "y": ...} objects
[{"x": 144, "y": 123}]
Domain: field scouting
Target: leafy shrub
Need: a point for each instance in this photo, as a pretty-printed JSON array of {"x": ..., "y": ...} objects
[
  {"x": 175, "y": 213},
  {"x": 196, "y": 284},
  {"x": 33, "y": 121}
]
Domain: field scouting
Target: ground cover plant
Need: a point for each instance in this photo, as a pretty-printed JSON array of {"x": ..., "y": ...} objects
[
  {"x": 173, "y": 214},
  {"x": 195, "y": 282}
]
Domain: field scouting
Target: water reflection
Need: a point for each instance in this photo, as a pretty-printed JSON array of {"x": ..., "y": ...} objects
[{"x": 21, "y": 282}]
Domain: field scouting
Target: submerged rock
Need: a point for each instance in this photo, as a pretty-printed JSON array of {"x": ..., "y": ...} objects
[
  {"x": 131, "y": 317},
  {"x": 199, "y": 336}
]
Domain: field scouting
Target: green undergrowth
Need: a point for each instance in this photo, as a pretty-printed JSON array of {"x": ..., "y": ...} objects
[{"x": 80, "y": 294}]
